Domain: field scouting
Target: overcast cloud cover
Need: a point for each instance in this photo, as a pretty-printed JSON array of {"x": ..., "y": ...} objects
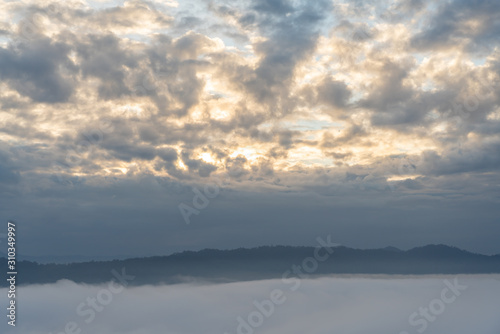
[
  {"x": 320, "y": 306},
  {"x": 375, "y": 121}
]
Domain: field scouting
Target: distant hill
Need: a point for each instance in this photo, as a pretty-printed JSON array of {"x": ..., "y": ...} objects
[
  {"x": 262, "y": 263},
  {"x": 61, "y": 259}
]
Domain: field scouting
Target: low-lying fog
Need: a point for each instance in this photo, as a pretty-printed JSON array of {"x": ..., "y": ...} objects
[{"x": 354, "y": 305}]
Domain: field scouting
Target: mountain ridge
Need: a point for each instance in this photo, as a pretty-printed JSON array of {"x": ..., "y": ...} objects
[
  {"x": 265, "y": 262},
  {"x": 70, "y": 259}
]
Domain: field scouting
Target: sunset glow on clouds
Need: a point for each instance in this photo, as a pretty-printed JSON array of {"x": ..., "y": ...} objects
[{"x": 394, "y": 103}]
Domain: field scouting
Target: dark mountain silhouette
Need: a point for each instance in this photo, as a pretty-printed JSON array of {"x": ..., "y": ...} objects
[{"x": 262, "y": 263}]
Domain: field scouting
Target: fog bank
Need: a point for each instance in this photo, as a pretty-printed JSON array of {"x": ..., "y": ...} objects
[{"x": 375, "y": 305}]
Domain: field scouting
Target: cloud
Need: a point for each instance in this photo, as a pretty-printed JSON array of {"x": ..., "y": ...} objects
[
  {"x": 40, "y": 70},
  {"x": 289, "y": 40},
  {"x": 355, "y": 304},
  {"x": 277, "y": 7},
  {"x": 471, "y": 25},
  {"x": 103, "y": 58},
  {"x": 333, "y": 93}
]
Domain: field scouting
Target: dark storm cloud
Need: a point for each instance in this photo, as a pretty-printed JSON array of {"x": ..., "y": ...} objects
[
  {"x": 333, "y": 93},
  {"x": 174, "y": 66},
  {"x": 355, "y": 133},
  {"x": 127, "y": 153},
  {"x": 276, "y": 7},
  {"x": 484, "y": 157},
  {"x": 103, "y": 57},
  {"x": 40, "y": 70},
  {"x": 388, "y": 90},
  {"x": 245, "y": 121},
  {"x": 402, "y": 116},
  {"x": 123, "y": 144},
  {"x": 235, "y": 166},
  {"x": 286, "y": 138},
  {"x": 24, "y": 131},
  {"x": 472, "y": 23},
  {"x": 291, "y": 39},
  {"x": 204, "y": 169},
  {"x": 167, "y": 154},
  {"x": 168, "y": 133}
]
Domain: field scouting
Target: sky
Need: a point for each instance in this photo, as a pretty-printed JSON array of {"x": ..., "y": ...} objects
[{"x": 134, "y": 128}]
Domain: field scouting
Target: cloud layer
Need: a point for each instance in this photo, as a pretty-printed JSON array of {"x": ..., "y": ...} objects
[{"x": 319, "y": 306}]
